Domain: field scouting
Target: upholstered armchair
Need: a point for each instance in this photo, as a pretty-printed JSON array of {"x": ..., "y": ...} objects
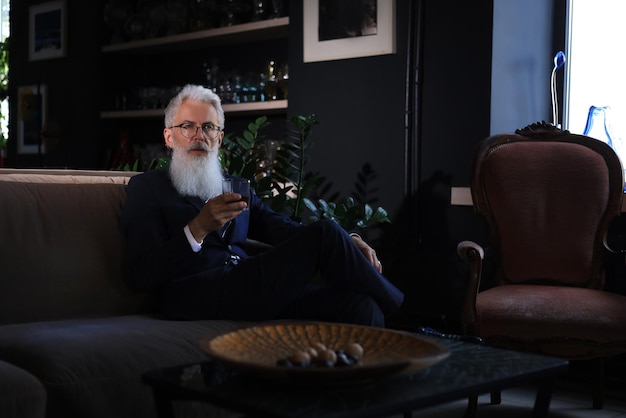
[{"x": 547, "y": 197}]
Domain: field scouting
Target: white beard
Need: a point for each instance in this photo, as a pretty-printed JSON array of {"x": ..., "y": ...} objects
[{"x": 196, "y": 175}]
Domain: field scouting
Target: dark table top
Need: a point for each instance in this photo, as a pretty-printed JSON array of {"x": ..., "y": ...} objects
[{"x": 469, "y": 370}]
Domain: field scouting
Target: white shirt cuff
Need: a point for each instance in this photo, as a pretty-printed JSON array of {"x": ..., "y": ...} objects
[{"x": 195, "y": 245}]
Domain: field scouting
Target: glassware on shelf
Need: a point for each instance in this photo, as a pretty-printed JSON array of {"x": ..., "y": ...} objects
[
  {"x": 135, "y": 27},
  {"x": 254, "y": 82},
  {"x": 258, "y": 10},
  {"x": 238, "y": 89},
  {"x": 177, "y": 17},
  {"x": 202, "y": 14},
  {"x": 156, "y": 18},
  {"x": 246, "y": 86},
  {"x": 283, "y": 82},
  {"x": 235, "y": 12},
  {"x": 121, "y": 101},
  {"x": 211, "y": 71},
  {"x": 250, "y": 88},
  {"x": 271, "y": 83},
  {"x": 115, "y": 14},
  {"x": 277, "y": 9},
  {"x": 262, "y": 87},
  {"x": 225, "y": 90}
]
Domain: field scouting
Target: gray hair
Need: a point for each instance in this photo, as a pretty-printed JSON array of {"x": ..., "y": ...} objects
[{"x": 197, "y": 93}]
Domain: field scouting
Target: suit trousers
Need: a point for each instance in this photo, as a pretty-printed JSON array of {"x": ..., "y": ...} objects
[{"x": 317, "y": 274}]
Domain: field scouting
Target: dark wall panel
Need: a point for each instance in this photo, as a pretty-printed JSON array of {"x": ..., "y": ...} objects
[
  {"x": 362, "y": 107},
  {"x": 360, "y": 103},
  {"x": 73, "y": 87},
  {"x": 364, "y": 116}
]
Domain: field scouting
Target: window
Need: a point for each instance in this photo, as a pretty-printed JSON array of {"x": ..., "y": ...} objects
[
  {"x": 595, "y": 83},
  {"x": 4, "y": 16}
]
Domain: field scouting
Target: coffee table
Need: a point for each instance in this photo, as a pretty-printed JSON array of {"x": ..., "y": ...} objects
[{"x": 470, "y": 370}]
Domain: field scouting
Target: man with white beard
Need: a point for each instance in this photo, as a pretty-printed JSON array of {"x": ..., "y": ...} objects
[{"x": 186, "y": 240}]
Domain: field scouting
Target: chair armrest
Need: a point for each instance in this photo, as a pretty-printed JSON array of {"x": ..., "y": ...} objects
[
  {"x": 614, "y": 245},
  {"x": 473, "y": 254}
]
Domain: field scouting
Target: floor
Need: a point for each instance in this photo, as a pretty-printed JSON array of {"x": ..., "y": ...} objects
[{"x": 570, "y": 399}]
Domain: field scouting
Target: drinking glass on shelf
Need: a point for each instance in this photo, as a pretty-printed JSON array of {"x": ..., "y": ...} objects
[
  {"x": 277, "y": 9},
  {"x": 271, "y": 82},
  {"x": 259, "y": 12},
  {"x": 283, "y": 81}
]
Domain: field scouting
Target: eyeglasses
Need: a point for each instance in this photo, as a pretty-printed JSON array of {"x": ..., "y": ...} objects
[{"x": 189, "y": 130}]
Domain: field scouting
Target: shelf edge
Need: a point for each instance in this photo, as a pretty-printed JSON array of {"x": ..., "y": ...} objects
[
  {"x": 269, "y": 107},
  {"x": 209, "y": 34}
]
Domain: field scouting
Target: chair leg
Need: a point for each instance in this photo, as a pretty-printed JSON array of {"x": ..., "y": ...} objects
[
  {"x": 542, "y": 400},
  {"x": 598, "y": 384},
  {"x": 496, "y": 397}
]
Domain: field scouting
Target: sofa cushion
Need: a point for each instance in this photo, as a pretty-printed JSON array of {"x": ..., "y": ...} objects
[
  {"x": 61, "y": 247},
  {"x": 21, "y": 394},
  {"x": 93, "y": 368}
]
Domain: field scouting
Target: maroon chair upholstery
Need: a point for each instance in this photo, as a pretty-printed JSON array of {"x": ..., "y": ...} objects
[{"x": 547, "y": 197}]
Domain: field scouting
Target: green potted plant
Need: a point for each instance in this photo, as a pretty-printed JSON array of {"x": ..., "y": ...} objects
[
  {"x": 282, "y": 180},
  {"x": 285, "y": 185},
  {"x": 3, "y": 142}
]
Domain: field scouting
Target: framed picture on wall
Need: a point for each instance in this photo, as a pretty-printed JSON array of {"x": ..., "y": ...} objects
[
  {"x": 336, "y": 30},
  {"x": 47, "y": 32},
  {"x": 31, "y": 118}
]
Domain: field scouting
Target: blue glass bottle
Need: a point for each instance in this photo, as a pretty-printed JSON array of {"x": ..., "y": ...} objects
[
  {"x": 601, "y": 130},
  {"x": 598, "y": 126}
]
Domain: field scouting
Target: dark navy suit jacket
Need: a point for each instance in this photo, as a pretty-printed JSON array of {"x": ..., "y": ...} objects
[{"x": 159, "y": 254}]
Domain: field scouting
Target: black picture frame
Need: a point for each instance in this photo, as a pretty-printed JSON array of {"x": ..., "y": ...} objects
[{"x": 47, "y": 31}]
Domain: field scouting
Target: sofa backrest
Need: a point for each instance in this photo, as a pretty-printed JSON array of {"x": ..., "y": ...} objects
[{"x": 61, "y": 249}]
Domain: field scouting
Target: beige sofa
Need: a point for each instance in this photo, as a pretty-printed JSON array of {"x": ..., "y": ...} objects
[{"x": 74, "y": 341}]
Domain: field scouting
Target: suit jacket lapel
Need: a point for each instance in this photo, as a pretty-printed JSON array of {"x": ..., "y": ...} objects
[
  {"x": 195, "y": 201},
  {"x": 226, "y": 232}
]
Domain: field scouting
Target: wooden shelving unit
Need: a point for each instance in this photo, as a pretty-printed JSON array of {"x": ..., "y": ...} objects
[
  {"x": 230, "y": 35},
  {"x": 246, "y": 32}
]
